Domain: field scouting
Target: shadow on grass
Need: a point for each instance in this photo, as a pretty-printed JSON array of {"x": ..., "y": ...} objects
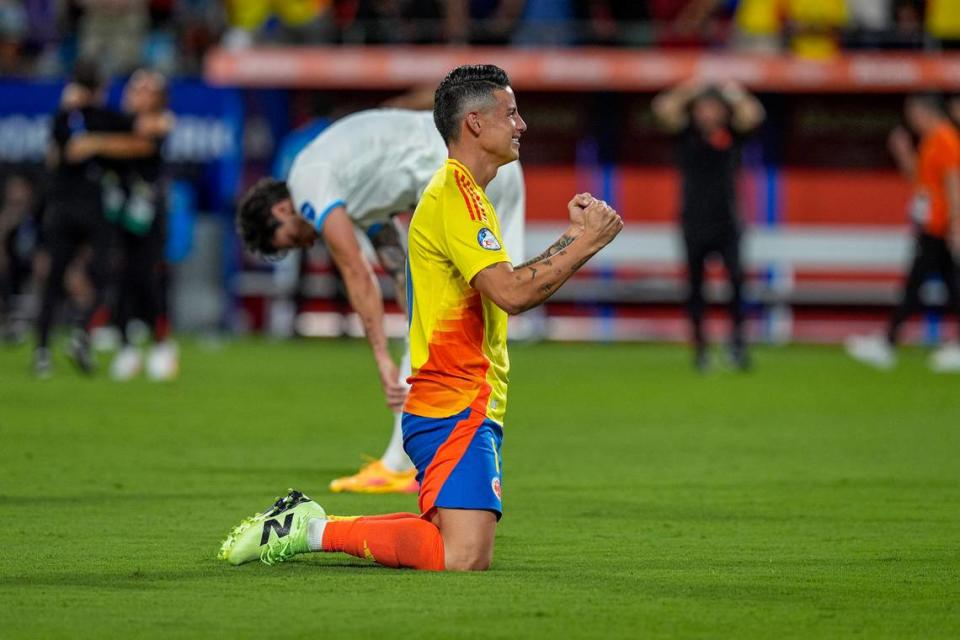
[
  {"x": 203, "y": 572},
  {"x": 277, "y": 471},
  {"x": 119, "y": 495}
]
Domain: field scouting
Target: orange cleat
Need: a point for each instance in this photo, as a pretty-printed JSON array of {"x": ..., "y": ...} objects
[{"x": 373, "y": 477}]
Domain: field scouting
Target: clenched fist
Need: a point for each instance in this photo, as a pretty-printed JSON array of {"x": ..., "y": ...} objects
[{"x": 601, "y": 223}]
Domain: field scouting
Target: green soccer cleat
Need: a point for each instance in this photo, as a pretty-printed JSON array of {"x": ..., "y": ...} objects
[{"x": 275, "y": 535}]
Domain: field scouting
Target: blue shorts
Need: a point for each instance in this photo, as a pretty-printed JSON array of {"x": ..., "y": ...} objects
[{"x": 458, "y": 460}]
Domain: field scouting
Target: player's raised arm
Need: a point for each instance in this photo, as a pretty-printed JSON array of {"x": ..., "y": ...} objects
[
  {"x": 746, "y": 111},
  {"x": 593, "y": 225},
  {"x": 670, "y": 106},
  {"x": 363, "y": 292}
]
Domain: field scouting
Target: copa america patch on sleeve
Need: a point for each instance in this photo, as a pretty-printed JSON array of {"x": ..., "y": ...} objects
[
  {"x": 308, "y": 212},
  {"x": 487, "y": 240}
]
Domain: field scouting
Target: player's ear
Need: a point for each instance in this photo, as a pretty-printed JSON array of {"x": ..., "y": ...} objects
[
  {"x": 282, "y": 209},
  {"x": 473, "y": 123}
]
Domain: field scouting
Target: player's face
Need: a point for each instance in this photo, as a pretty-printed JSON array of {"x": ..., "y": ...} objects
[
  {"x": 709, "y": 113},
  {"x": 294, "y": 232},
  {"x": 503, "y": 127},
  {"x": 917, "y": 115},
  {"x": 143, "y": 93}
]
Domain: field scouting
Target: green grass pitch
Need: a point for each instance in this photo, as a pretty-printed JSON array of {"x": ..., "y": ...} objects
[{"x": 812, "y": 498}]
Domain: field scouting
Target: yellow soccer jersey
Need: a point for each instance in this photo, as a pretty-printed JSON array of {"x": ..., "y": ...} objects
[{"x": 458, "y": 338}]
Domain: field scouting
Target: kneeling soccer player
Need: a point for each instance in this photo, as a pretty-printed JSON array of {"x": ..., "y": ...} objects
[{"x": 460, "y": 287}]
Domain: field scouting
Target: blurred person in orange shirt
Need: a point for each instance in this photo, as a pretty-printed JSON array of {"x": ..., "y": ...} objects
[{"x": 934, "y": 170}]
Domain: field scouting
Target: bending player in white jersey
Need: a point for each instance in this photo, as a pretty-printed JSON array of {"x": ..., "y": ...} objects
[{"x": 357, "y": 174}]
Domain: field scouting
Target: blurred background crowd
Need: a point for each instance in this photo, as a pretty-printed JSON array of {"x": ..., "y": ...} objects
[
  {"x": 44, "y": 37},
  {"x": 820, "y": 198}
]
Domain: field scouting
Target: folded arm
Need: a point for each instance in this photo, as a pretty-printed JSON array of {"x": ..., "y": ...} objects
[{"x": 118, "y": 146}]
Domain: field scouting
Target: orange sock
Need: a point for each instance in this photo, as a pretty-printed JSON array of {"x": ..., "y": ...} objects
[
  {"x": 383, "y": 516},
  {"x": 393, "y": 540}
]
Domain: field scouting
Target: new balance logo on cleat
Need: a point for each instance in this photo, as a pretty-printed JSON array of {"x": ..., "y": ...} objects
[
  {"x": 281, "y": 531},
  {"x": 288, "y": 518}
]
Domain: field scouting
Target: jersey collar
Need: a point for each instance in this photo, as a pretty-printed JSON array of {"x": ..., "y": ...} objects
[{"x": 459, "y": 165}]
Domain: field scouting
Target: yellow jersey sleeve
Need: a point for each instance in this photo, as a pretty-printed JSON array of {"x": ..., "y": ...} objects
[{"x": 472, "y": 234}]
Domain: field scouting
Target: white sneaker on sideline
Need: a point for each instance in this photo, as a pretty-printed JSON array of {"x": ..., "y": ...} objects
[
  {"x": 127, "y": 364},
  {"x": 163, "y": 361},
  {"x": 872, "y": 350},
  {"x": 946, "y": 359}
]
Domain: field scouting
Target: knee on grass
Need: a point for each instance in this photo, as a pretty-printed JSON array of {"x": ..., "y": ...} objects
[{"x": 467, "y": 558}]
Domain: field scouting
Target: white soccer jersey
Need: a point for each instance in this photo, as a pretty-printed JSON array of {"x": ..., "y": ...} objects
[{"x": 378, "y": 162}]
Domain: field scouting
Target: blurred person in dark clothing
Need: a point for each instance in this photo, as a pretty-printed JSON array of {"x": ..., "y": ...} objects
[
  {"x": 711, "y": 124},
  {"x": 140, "y": 215},
  {"x": 18, "y": 240},
  {"x": 84, "y": 134}
]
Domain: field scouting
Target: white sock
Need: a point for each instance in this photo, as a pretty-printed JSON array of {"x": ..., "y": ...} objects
[
  {"x": 315, "y": 530},
  {"x": 395, "y": 458}
]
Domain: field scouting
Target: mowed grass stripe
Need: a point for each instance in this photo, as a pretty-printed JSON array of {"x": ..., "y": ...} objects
[{"x": 810, "y": 498}]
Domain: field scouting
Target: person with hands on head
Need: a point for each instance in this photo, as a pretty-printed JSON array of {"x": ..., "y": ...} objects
[{"x": 711, "y": 124}]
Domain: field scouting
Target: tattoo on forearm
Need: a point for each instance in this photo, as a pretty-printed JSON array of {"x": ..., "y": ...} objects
[
  {"x": 579, "y": 264},
  {"x": 555, "y": 248}
]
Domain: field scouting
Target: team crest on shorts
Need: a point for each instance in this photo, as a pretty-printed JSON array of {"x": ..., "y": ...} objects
[
  {"x": 487, "y": 240},
  {"x": 496, "y": 488}
]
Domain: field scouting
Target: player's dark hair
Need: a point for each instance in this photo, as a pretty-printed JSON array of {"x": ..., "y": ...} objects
[
  {"x": 162, "y": 84},
  {"x": 929, "y": 100},
  {"x": 712, "y": 92},
  {"x": 256, "y": 223},
  {"x": 86, "y": 73},
  {"x": 463, "y": 87}
]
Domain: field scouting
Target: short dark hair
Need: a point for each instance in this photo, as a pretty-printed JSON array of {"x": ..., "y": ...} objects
[
  {"x": 928, "y": 100},
  {"x": 712, "y": 92},
  {"x": 86, "y": 73},
  {"x": 163, "y": 85},
  {"x": 256, "y": 223},
  {"x": 463, "y": 86}
]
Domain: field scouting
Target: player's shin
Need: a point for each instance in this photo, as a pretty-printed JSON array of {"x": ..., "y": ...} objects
[{"x": 398, "y": 540}]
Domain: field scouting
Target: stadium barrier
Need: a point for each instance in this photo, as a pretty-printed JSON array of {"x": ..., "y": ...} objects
[{"x": 576, "y": 69}]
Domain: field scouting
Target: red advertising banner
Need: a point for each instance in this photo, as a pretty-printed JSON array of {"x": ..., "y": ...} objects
[{"x": 352, "y": 67}]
